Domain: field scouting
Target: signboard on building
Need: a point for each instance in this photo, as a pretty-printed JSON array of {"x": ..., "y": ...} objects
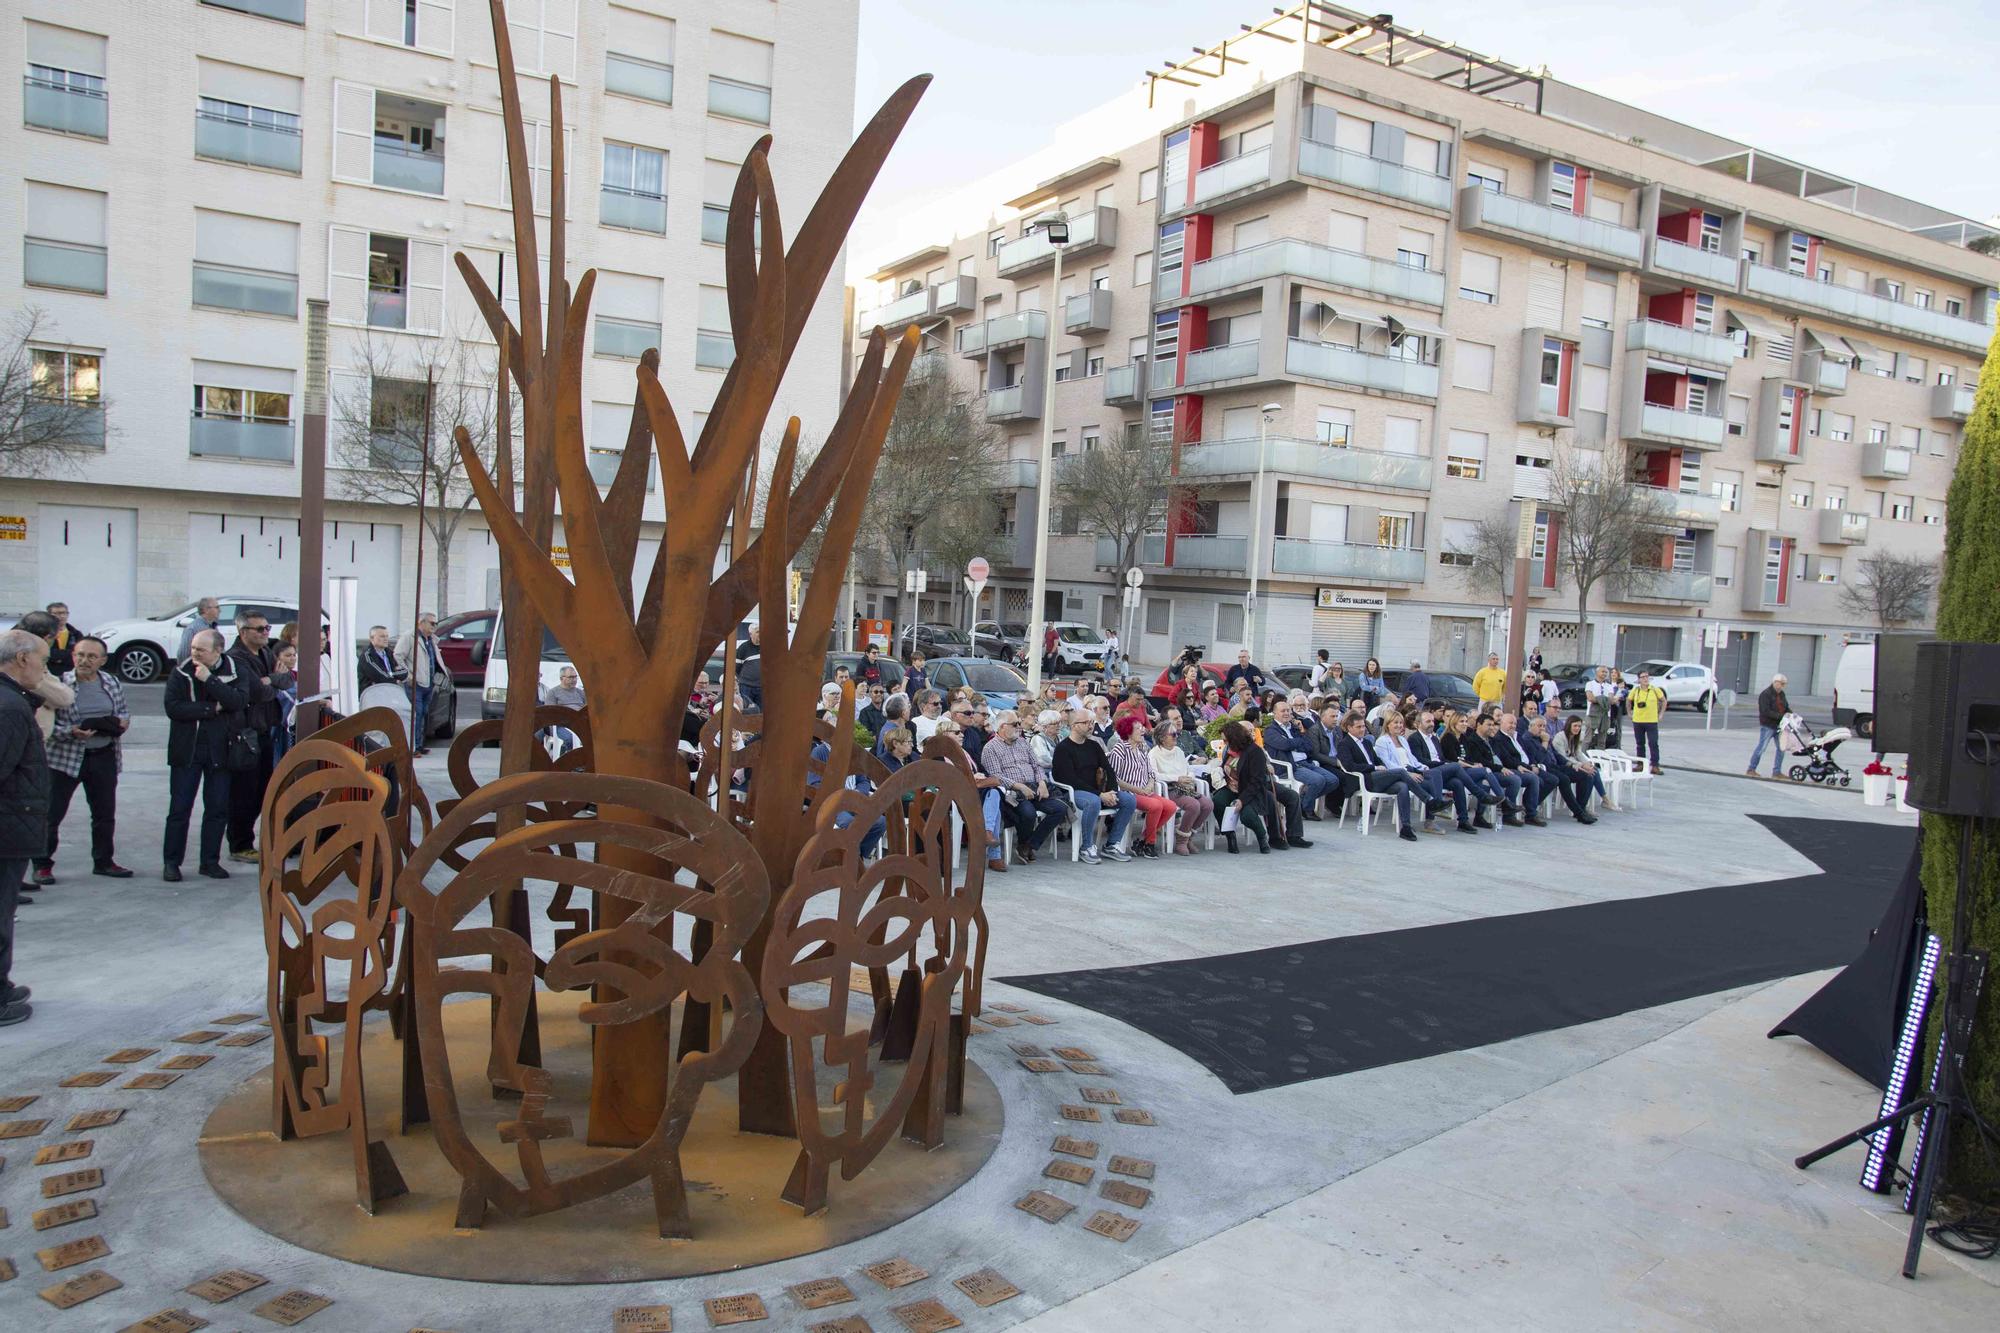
[
  {"x": 1714, "y": 636},
  {"x": 1349, "y": 599},
  {"x": 13, "y": 527}
]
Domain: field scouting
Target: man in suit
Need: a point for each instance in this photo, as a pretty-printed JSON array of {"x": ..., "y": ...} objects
[
  {"x": 1357, "y": 756},
  {"x": 255, "y": 662},
  {"x": 24, "y": 795},
  {"x": 1572, "y": 782},
  {"x": 1513, "y": 757},
  {"x": 1322, "y": 733},
  {"x": 1285, "y": 738},
  {"x": 1450, "y": 774},
  {"x": 378, "y": 663},
  {"x": 1477, "y": 751}
]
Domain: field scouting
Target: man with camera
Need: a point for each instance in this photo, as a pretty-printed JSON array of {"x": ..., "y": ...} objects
[{"x": 84, "y": 752}]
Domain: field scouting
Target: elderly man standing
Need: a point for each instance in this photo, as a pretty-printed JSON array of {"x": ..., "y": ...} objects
[
  {"x": 24, "y": 795},
  {"x": 49, "y": 691},
  {"x": 84, "y": 752},
  {"x": 205, "y": 704},
  {"x": 417, "y": 654},
  {"x": 207, "y": 615},
  {"x": 1772, "y": 705},
  {"x": 255, "y": 665}
]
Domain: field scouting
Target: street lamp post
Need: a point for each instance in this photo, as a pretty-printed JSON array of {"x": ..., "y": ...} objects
[
  {"x": 1056, "y": 227},
  {"x": 1257, "y": 525}
]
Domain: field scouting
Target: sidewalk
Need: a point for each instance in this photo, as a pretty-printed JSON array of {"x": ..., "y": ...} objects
[{"x": 1686, "y": 743}]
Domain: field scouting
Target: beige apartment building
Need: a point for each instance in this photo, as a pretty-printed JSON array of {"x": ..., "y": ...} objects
[{"x": 1445, "y": 272}]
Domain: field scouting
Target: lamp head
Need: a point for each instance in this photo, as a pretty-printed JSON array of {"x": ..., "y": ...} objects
[{"x": 1054, "y": 225}]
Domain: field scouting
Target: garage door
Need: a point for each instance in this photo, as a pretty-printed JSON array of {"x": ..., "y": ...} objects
[
  {"x": 1798, "y": 654},
  {"x": 239, "y": 555},
  {"x": 1347, "y": 636},
  {"x": 1638, "y": 643},
  {"x": 89, "y": 561},
  {"x": 373, "y": 554},
  {"x": 1732, "y": 667}
]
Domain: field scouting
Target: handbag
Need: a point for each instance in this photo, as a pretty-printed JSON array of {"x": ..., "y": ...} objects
[{"x": 245, "y": 750}]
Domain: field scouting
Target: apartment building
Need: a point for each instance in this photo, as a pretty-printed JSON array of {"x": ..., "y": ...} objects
[
  {"x": 187, "y": 174},
  {"x": 1440, "y": 271}
]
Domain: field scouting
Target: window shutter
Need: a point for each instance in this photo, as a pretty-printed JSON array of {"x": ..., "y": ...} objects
[
  {"x": 1593, "y": 389},
  {"x": 434, "y": 29},
  {"x": 251, "y": 87},
  {"x": 627, "y": 296},
  {"x": 1545, "y": 296},
  {"x": 426, "y": 281},
  {"x": 646, "y": 36},
  {"x": 1479, "y": 272},
  {"x": 383, "y": 20},
  {"x": 744, "y": 59},
  {"x": 348, "y": 406},
  {"x": 66, "y": 48},
  {"x": 347, "y": 275},
  {"x": 1347, "y": 231},
  {"x": 61, "y": 213},
  {"x": 1467, "y": 444},
  {"x": 353, "y": 133},
  {"x": 559, "y": 38},
  {"x": 1600, "y": 301},
  {"x": 487, "y": 263},
  {"x": 1401, "y": 435},
  {"x": 246, "y": 242}
]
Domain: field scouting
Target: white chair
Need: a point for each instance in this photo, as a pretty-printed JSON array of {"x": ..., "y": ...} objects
[
  {"x": 1368, "y": 799},
  {"x": 1071, "y": 826},
  {"x": 1621, "y": 771},
  {"x": 957, "y": 839}
]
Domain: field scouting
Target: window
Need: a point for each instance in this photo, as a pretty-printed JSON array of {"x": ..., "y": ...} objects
[
  {"x": 1725, "y": 566},
  {"x": 1704, "y": 313},
  {"x": 1691, "y": 473},
  {"x": 422, "y": 26},
  {"x": 1826, "y": 569},
  {"x": 1491, "y": 179},
  {"x": 1334, "y": 426},
  {"x": 626, "y": 309},
  {"x": 68, "y": 385},
  {"x": 1159, "y": 615},
  {"x": 385, "y": 281},
  {"x": 1135, "y": 350},
  {"x": 994, "y": 240},
  {"x": 633, "y": 194},
  {"x": 64, "y": 90},
  {"x": 1062, "y": 372},
  {"x": 1878, "y": 432},
  {"x": 718, "y": 187},
  {"x": 1465, "y": 455},
  {"x": 1166, "y": 335},
  {"x": 1478, "y": 276},
  {"x": 1935, "y": 442},
  {"x": 1093, "y": 361},
  {"x": 1228, "y": 622},
  {"x": 1472, "y": 366},
  {"x": 1892, "y": 289},
  {"x": 1413, "y": 248},
  {"x": 386, "y": 140},
  {"x": 1900, "y": 507},
  {"x": 1563, "y": 186},
  {"x": 1105, "y": 197},
  {"x": 1092, "y": 437},
  {"x": 1833, "y": 497},
  {"x": 714, "y": 344},
  {"x": 248, "y": 116},
  {"x": 543, "y": 34},
  {"x": 1593, "y": 388},
  {"x": 63, "y": 244},
  {"x": 397, "y": 410},
  {"x": 1874, "y": 503},
  {"x": 1825, "y": 272},
  {"x": 1800, "y": 496},
  {"x": 1172, "y": 245},
  {"x": 1149, "y": 184},
  {"x": 233, "y": 422},
  {"x": 1402, "y": 435},
  {"x": 1142, "y": 268},
  {"x": 246, "y": 263},
  {"x": 1600, "y": 301},
  {"x": 1728, "y": 488},
  {"x": 1394, "y": 529},
  {"x": 739, "y": 81},
  {"x": 1954, "y": 307},
  {"x": 1697, "y": 395},
  {"x": 1913, "y": 367},
  {"x": 1753, "y": 253},
  {"x": 639, "y": 56},
  {"x": 1920, "y": 298},
  {"x": 1100, "y": 278},
  {"x": 1933, "y": 515},
  {"x": 1798, "y": 249},
  {"x": 1347, "y": 231},
  {"x": 1255, "y": 231},
  {"x": 1459, "y": 538},
  {"x": 1839, "y": 426},
  {"x": 1814, "y": 420}
]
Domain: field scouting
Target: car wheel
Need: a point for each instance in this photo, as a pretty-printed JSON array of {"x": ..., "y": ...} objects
[
  {"x": 1701, "y": 704},
  {"x": 450, "y": 727},
  {"x": 139, "y": 664}
]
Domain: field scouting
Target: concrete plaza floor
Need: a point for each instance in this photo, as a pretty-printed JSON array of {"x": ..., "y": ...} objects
[{"x": 1633, "y": 1172}]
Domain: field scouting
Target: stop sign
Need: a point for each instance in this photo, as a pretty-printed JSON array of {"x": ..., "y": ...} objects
[{"x": 977, "y": 569}]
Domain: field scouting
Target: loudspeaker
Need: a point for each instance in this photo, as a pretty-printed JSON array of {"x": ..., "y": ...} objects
[
  {"x": 1955, "y": 697},
  {"x": 1895, "y": 679}
]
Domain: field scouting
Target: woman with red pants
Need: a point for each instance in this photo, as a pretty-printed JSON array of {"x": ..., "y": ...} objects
[{"x": 1135, "y": 774}]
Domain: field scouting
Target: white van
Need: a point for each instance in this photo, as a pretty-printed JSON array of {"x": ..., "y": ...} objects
[
  {"x": 1854, "y": 688},
  {"x": 493, "y": 695}
]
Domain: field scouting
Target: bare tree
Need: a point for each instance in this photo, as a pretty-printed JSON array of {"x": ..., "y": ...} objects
[
  {"x": 1490, "y": 547},
  {"x": 1121, "y": 491},
  {"x": 1893, "y": 590},
  {"x": 51, "y": 407},
  {"x": 395, "y": 411},
  {"x": 1610, "y": 529}
]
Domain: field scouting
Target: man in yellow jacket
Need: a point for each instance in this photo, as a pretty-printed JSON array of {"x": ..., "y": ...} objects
[
  {"x": 1647, "y": 701},
  {"x": 1489, "y": 682}
]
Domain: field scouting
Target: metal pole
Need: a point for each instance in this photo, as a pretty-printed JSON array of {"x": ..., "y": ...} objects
[
  {"x": 423, "y": 492},
  {"x": 312, "y": 518},
  {"x": 1037, "y": 620},
  {"x": 1256, "y": 535},
  {"x": 1517, "y": 619}
]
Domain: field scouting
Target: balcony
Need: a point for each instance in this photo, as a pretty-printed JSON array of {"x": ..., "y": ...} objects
[
  {"x": 401, "y": 167},
  {"x": 1090, "y": 231},
  {"x": 228, "y": 139},
  {"x": 901, "y": 311},
  {"x": 624, "y": 337},
  {"x": 1687, "y": 509},
  {"x": 1548, "y": 230},
  {"x": 1952, "y": 402},
  {"x": 1347, "y": 560},
  {"x": 1234, "y": 361},
  {"x": 1013, "y": 403},
  {"x": 1316, "y": 263},
  {"x": 1348, "y": 466},
  {"x": 1692, "y": 587},
  {"x": 1675, "y": 343},
  {"x": 1886, "y": 462},
  {"x": 1020, "y": 474},
  {"x": 1163, "y": 373},
  {"x": 1374, "y": 175},
  {"x": 1152, "y": 551},
  {"x": 1365, "y": 370},
  {"x": 65, "y": 108},
  {"x": 635, "y": 77},
  {"x": 71, "y": 423},
  {"x": 632, "y": 210},
  {"x": 955, "y": 296},
  {"x": 388, "y": 308},
  {"x": 1775, "y": 433},
  {"x": 236, "y": 437},
  {"x": 1825, "y": 372},
  {"x": 1842, "y": 527},
  {"x": 285, "y": 11},
  {"x": 1087, "y": 312},
  {"x": 1232, "y": 174},
  {"x": 1125, "y": 386},
  {"x": 1193, "y": 553},
  {"x": 75, "y": 268},
  {"x": 738, "y": 100},
  {"x": 253, "y": 291},
  {"x": 1801, "y": 293},
  {"x": 1002, "y": 331},
  {"x": 1655, "y": 423},
  {"x": 1706, "y": 268}
]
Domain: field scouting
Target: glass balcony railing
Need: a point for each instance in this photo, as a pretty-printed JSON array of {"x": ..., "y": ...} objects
[
  {"x": 1088, "y": 312},
  {"x": 1524, "y": 219},
  {"x": 954, "y": 295},
  {"x": 1003, "y": 331},
  {"x": 620, "y": 207},
  {"x": 624, "y": 337},
  {"x": 1951, "y": 402},
  {"x": 1308, "y": 458},
  {"x": 76, "y": 268},
  {"x": 1316, "y": 263},
  {"x": 1005, "y": 404},
  {"x": 1806, "y": 293},
  {"x": 50, "y": 105},
  {"x": 74, "y": 425},
  {"x": 1369, "y": 173},
  {"x": 235, "y": 437},
  {"x": 1884, "y": 460},
  {"x": 400, "y": 167},
  {"x": 1090, "y": 229},
  {"x": 1708, "y": 267},
  {"x": 1163, "y": 373},
  {"x": 1347, "y": 560},
  {"x": 255, "y": 291},
  {"x": 285, "y": 11},
  {"x": 715, "y": 224},
  {"x": 388, "y": 308},
  {"x": 1021, "y": 474},
  {"x": 227, "y": 139},
  {"x": 902, "y": 310},
  {"x": 1679, "y": 344},
  {"x": 638, "y": 78},
  {"x": 1345, "y": 365},
  {"x": 1687, "y": 508},
  {"x": 1236, "y": 173},
  {"x": 1694, "y": 430},
  {"x": 714, "y": 350},
  {"x": 1842, "y": 527},
  {"x": 1671, "y": 585},
  {"x": 739, "y": 101},
  {"x": 1230, "y": 362},
  {"x": 1152, "y": 550},
  {"x": 1123, "y": 385}
]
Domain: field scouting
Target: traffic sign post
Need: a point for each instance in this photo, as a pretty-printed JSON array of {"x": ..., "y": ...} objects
[{"x": 1715, "y": 638}]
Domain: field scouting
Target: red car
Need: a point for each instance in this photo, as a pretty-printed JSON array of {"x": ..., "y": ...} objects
[{"x": 460, "y": 636}]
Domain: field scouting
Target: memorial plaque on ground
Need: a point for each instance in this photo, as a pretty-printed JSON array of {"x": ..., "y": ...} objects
[
  {"x": 62, "y": 1214},
  {"x": 853, "y": 1323},
  {"x": 71, "y": 1253},
  {"x": 1102, "y": 1096},
  {"x": 1025, "y": 1048},
  {"x": 188, "y": 1061},
  {"x": 1132, "y": 1115},
  {"x": 928, "y": 1316},
  {"x": 1042, "y": 1204},
  {"x": 93, "y": 1120},
  {"x": 131, "y": 1055},
  {"x": 974, "y": 1026},
  {"x": 643, "y": 1319},
  {"x": 894, "y": 1273},
  {"x": 94, "y": 1078},
  {"x": 1136, "y": 1167},
  {"x": 1076, "y": 1173},
  {"x": 1084, "y": 1067},
  {"x": 196, "y": 1038},
  {"x": 1115, "y": 1225},
  {"x": 226, "y": 1285},
  {"x": 7, "y": 1270},
  {"x": 744, "y": 1309},
  {"x": 292, "y": 1307},
  {"x": 167, "y": 1321},
  {"x": 71, "y": 1182},
  {"x": 821, "y": 1292},
  {"x": 1002, "y": 1021},
  {"x": 1039, "y": 1020},
  {"x": 84, "y": 1287},
  {"x": 986, "y": 1287},
  {"x": 1040, "y": 1066},
  {"x": 1075, "y": 1147},
  {"x": 234, "y": 1020},
  {"x": 1086, "y": 1114},
  {"x": 1125, "y": 1192},
  {"x": 1074, "y": 1053},
  {"x": 21, "y": 1129},
  {"x": 250, "y": 1038},
  {"x": 73, "y": 1151},
  {"x": 1007, "y": 1008},
  {"x": 9, "y": 1105},
  {"x": 151, "y": 1082}
]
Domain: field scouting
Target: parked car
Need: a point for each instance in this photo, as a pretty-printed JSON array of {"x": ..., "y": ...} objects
[
  {"x": 1079, "y": 647},
  {"x": 1688, "y": 683},
  {"x": 892, "y": 670},
  {"x": 443, "y": 713},
  {"x": 1447, "y": 687},
  {"x": 1004, "y": 639},
  {"x": 493, "y": 697},
  {"x": 1002, "y": 685},
  {"x": 460, "y": 638},
  {"x": 933, "y": 641},
  {"x": 143, "y": 649},
  {"x": 1854, "y": 688},
  {"x": 1210, "y": 675},
  {"x": 1570, "y": 678}
]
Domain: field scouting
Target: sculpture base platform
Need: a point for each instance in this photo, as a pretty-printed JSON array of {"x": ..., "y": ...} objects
[{"x": 303, "y": 1191}]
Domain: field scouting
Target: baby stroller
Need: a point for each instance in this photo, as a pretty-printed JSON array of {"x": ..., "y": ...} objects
[{"x": 1813, "y": 751}]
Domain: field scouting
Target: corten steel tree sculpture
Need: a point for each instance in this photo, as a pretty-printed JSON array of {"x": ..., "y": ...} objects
[{"x": 641, "y": 658}]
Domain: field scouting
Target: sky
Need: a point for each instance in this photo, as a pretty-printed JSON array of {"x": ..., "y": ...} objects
[{"x": 1899, "y": 96}]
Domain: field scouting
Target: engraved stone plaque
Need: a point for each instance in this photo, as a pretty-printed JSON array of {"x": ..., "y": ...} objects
[
  {"x": 293, "y": 1307},
  {"x": 189, "y": 1061},
  {"x": 62, "y": 1214},
  {"x": 7, "y": 1270},
  {"x": 131, "y": 1055},
  {"x": 71, "y": 1182},
  {"x": 986, "y": 1287},
  {"x": 926, "y": 1316},
  {"x": 93, "y": 1120},
  {"x": 1075, "y": 1147},
  {"x": 975, "y": 1027},
  {"x": 168, "y": 1321},
  {"x": 1114, "y": 1225},
  {"x": 1002, "y": 1021},
  {"x": 95, "y": 1078},
  {"x": 1073, "y": 1053},
  {"x": 1076, "y": 1173},
  {"x": 1025, "y": 1048},
  {"x": 250, "y": 1038},
  {"x": 21, "y": 1129},
  {"x": 1132, "y": 1115},
  {"x": 84, "y": 1287},
  {"x": 73, "y": 1151},
  {"x": 9, "y": 1105},
  {"x": 1037, "y": 1019},
  {"x": 1102, "y": 1096},
  {"x": 227, "y": 1285},
  {"x": 643, "y": 1319},
  {"x": 234, "y": 1020},
  {"x": 72, "y": 1252},
  {"x": 1136, "y": 1167},
  {"x": 1090, "y": 1067},
  {"x": 1007, "y": 1008},
  {"x": 853, "y": 1323},
  {"x": 196, "y": 1038},
  {"x": 1125, "y": 1192},
  {"x": 821, "y": 1292},
  {"x": 726, "y": 1310},
  {"x": 1039, "y": 1066},
  {"x": 1086, "y": 1114},
  {"x": 894, "y": 1273},
  {"x": 151, "y": 1082},
  {"x": 1044, "y": 1205}
]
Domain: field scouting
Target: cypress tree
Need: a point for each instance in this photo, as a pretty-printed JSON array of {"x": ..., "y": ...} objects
[{"x": 1969, "y": 611}]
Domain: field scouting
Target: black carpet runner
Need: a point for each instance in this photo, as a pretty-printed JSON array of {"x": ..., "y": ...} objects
[{"x": 1270, "y": 1017}]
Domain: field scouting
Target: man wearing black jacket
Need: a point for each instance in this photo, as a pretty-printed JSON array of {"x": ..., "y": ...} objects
[
  {"x": 1571, "y": 782},
  {"x": 24, "y": 794},
  {"x": 254, "y": 661},
  {"x": 1451, "y": 775},
  {"x": 1082, "y": 765},
  {"x": 378, "y": 663},
  {"x": 1513, "y": 758},
  {"x": 1354, "y": 754},
  {"x": 1322, "y": 732},
  {"x": 205, "y": 703},
  {"x": 1476, "y": 746},
  {"x": 1480, "y": 781}
]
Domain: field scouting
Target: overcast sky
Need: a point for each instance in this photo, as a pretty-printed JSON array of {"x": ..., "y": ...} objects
[{"x": 1900, "y": 96}]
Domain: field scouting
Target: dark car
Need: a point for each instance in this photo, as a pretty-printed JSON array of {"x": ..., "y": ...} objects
[
  {"x": 1570, "y": 678},
  {"x": 460, "y": 639},
  {"x": 1447, "y": 688},
  {"x": 934, "y": 641},
  {"x": 1006, "y": 640},
  {"x": 892, "y": 670}
]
